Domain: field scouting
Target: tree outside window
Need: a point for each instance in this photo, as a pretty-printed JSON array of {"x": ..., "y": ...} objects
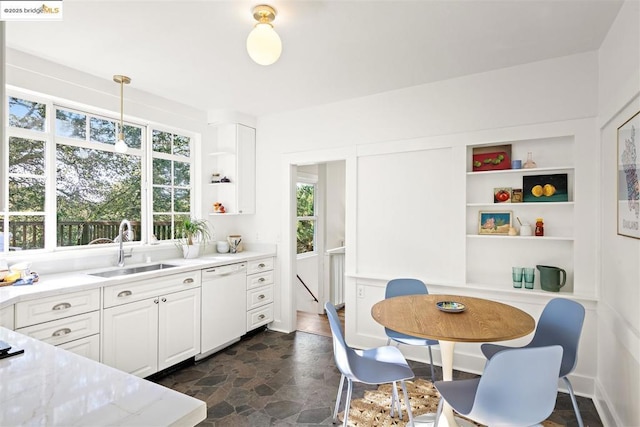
[{"x": 306, "y": 215}]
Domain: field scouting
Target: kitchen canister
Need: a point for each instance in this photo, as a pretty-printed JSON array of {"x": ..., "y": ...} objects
[
  {"x": 222, "y": 246},
  {"x": 235, "y": 243}
]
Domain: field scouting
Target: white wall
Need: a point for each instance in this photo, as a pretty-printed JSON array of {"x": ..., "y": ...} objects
[
  {"x": 618, "y": 388},
  {"x": 430, "y": 123}
]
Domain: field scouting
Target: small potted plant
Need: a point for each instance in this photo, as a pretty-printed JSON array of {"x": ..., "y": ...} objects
[{"x": 195, "y": 232}]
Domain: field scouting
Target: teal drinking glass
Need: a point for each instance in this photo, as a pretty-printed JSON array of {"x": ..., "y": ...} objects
[
  {"x": 516, "y": 275},
  {"x": 529, "y": 277}
]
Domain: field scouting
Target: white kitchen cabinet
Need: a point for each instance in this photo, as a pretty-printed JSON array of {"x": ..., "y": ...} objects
[
  {"x": 130, "y": 337},
  {"x": 63, "y": 320},
  {"x": 143, "y": 336},
  {"x": 259, "y": 292},
  {"x": 6, "y": 317},
  {"x": 179, "y": 327},
  {"x": 235, "y": 159},
  {"x": 553, "y": 155}
]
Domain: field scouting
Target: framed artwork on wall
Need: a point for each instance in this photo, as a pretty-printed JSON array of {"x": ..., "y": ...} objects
[
  {"x": 496, "y": 223},
  {"x": 628, "y": 170},
  {"x": 545, "y": 188},
  {"x": 497, "y": 157}
]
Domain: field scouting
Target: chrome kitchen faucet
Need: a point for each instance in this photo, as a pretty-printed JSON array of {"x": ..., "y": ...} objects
[{"x": 121, "y": 255}]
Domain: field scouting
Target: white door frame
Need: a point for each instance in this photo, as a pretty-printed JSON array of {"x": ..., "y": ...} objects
[{"x": 287, "y": 321}]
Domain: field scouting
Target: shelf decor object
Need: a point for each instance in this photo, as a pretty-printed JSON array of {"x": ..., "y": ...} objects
[
  {"x": 491, "y": 158},
  {"x": 545, "y": 188},
  {"x": 496, "y": 223},
  {"x": 628, "y": 159},
  {"x": 502, "y": 195},
  {"x": 516, "y": 195}
]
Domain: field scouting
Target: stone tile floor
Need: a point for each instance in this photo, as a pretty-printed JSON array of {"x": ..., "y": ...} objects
[{"x": 276, "y": 379}]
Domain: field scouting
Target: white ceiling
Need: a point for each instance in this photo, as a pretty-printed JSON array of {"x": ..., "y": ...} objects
[{"x": 194, "y": 51}]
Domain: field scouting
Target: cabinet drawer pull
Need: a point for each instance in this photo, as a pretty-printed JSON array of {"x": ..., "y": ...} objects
[
  {"x": 164, "y": 300},
  {"x": 262, "y": 316},
  {"x": 61, "y": 332},
  {"x": 262, "y": 279},
  {"x": 186, "y": 281},
  {"x": 61, "y": 306},
  {"x": 124, "y": 294},
  {"x": 156, "y": 301},
  {"x": 261, "y": 265},
  {"x": 260, "y": 296}
]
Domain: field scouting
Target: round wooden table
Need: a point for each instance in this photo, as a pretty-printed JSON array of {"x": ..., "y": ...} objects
[{"x": 481, "y": 321}]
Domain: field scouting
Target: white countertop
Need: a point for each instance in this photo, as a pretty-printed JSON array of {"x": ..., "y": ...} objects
[
  {"x": 50, "y": 386},
  {"x": 55, "y": 284}
]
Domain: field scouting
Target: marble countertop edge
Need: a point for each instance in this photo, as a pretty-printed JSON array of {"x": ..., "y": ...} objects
[{"x": 61, "y": 283}]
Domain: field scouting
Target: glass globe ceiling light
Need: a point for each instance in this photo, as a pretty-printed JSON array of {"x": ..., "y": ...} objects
[
  {"x": 263, "y": 43},
  {"x": 121, "y": 146}
]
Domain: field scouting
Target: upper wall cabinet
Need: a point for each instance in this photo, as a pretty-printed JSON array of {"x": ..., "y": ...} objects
[{"x": 231, "y": 169}]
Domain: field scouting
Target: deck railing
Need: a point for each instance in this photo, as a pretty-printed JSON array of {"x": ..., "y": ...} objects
[{"x": 30, "y": 234}]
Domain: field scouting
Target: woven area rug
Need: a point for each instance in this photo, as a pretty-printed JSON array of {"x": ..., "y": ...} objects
[{"x": 373, "y": 409}]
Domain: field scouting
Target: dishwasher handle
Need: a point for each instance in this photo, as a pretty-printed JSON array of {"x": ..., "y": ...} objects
[{"x": 224, "y": 270}]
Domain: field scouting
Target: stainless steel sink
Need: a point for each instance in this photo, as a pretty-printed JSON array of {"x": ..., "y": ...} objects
[{"x": 132, "y": 270}]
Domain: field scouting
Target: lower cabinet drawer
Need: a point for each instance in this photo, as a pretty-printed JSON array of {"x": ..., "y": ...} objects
[
  {"x": 259, "y": 297},
  {"x": 65, "y": 330},
  {"x": 56, "y": 307},
  {"x": 88, "y": 347},
  {"x": 261, "y": 279},
  {"x": 259, "y": 316}
]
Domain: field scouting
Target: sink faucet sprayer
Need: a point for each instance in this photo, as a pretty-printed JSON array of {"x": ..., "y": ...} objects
[{"x": 121, "y": 255}]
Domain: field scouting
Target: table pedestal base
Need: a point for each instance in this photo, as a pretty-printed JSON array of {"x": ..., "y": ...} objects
[{"x": 446, "y": 419}]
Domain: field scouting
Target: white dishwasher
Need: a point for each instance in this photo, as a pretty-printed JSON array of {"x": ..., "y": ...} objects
[{"x": 224, "y": 307}]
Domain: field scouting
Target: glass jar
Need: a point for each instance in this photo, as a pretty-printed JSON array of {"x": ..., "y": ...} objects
[
  {"x": 529, "y": 164},
  {"x": 539, "y": 227}
]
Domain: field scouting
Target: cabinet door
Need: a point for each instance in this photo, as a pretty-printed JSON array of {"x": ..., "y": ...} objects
[
  {"x": 179, "y": 327},
  {"x": 246, "y": 158},
  {"x": 6, "y": 317},
  {"x": 130, "y": 337}
]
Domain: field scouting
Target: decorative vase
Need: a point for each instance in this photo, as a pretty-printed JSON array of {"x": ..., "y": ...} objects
[
  {"x": 529, "y": 164},
  {"x": 191, "y": 251}
]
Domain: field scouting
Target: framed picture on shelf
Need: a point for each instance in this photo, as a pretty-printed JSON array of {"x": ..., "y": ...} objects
[
  {"x": 502, "y": 195},
  {"x": 545, "y": 188},
  {"x": 516, "y": 195},
  {"x": 495, "y": 223},
  {"x": 496, "y": 157},
  {"x": 628, "y": 159}
]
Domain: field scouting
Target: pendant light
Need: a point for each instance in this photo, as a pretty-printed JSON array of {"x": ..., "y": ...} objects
[
  {"x": 263, "y": 44},
  {"x": 121, "y": 146}
]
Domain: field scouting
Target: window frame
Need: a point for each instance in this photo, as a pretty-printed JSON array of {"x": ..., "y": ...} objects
[
  {"x": 311, "y": 180},
  {"x": 51, "y": 140}
]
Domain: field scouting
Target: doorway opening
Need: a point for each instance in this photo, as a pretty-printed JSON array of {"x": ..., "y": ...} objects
[{"x": 319, "y": 244}]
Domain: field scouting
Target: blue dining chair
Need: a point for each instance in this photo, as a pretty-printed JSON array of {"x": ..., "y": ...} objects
[
  {"x": 517, "y": 388},
  {"x": 379, "y": 365},
  {"x": 560, "y": 324},
  {"x": 401, "y": 287}
]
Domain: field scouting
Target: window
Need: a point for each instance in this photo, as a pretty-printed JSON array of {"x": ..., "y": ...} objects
[
  {"x": 67, "y": 186},
  {"x": 96, "y": 187},
  {"x": 171, "y": 183},
  {"x": 307, "y": 220},
  {"x": 27, "y": 146}
]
